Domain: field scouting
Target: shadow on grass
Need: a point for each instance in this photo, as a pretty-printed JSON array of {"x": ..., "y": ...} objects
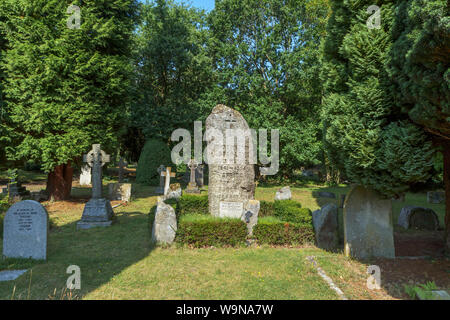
[{"x": 101, "y": 254}]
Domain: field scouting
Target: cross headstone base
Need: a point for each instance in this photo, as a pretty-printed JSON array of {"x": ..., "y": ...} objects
[
  {"x": 96, "y": 213},
  {"x": 192, "y": 188}
]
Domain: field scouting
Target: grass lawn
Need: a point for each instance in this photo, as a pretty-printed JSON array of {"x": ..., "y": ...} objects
[{"x": 119, "y": 262}]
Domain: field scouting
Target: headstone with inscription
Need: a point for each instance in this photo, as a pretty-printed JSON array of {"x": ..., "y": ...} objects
[
  {"x": 97, "y": 211},
  {"x": 230, "y": 153},
  {"x": 25, "y": 231}
]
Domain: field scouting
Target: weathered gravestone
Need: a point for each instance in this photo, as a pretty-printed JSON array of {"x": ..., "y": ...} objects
[
  {"x": 250, "y": 216},
  {"x": 85, "y": 176},
  {"x": 97, "y": 211},
  {"x": 231, "y": 172},
  {"x": 325, "y": 223},
  {"x": 435, "y": 197},
  {"x": 192, "y": 186},
  {"x": 25, "y": 231},
  {"x": 165, "y": 224},
  {"x": 368, "y": 228},
  {"x": 119, "y": 191},
  {"x": 283, "y": 194},
  {"x": 418, "y": 218}
]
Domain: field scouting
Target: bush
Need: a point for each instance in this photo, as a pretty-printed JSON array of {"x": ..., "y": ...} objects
[
  {"x": 292, "y": 211},
  {"x": 154, "y": 154},
  {"x": 204, "y": 230},
  {"x": 266, "y": 209},
  {"x": 191, "y": 204},
  {"x": 276, "y": 232},
  {"x": 3, "y": 208}
]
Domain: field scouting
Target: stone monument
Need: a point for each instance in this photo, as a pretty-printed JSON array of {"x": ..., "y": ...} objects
[
  {"x": 418, "y": 218},
  {"x": 192, "y": 186},
  {"x": 25, "y": 231},
  {"x": 167, "y": 174},
  {"x": 160, "y": 170},
  {"x": 231, "y": 173},
  {"x": 368, "y": 227},
  {"x": 97, "y": 211}
]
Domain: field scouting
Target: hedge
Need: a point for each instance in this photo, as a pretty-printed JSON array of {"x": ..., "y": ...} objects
[
  {"x": 191, "y": 204},
  {"x": 292, "y": 211},
  {"x": 266, "y": 209},
  {"x": 205, "y": 231},
  {"x": 276, "y": 232}
]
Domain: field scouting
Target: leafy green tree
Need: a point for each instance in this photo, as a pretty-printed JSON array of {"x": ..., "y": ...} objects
[
  {"x": 172, "y": 70},
  {"x": 267, "y": 59},
  {"x": 65, "y": 88},
  {"x": 419, "y": 64},
  {"x": 367, "y": 137}
]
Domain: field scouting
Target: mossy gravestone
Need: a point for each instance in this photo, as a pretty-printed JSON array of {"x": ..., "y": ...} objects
[
  {"x": 229, "y": 154},
  {"x": 25, "y": 231},
  {"x": 368, "y": 228}
]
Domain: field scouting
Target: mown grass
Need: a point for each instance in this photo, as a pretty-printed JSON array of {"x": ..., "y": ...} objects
[{"x": 120, "y": 263}]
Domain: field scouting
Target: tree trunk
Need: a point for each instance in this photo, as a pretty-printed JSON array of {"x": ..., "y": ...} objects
[
  {"x": 446, "y": 152},
  {"x": 59, "y": 182}
]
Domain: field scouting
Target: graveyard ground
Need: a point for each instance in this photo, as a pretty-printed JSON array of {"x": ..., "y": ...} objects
[{"x": 119, "y": 262}]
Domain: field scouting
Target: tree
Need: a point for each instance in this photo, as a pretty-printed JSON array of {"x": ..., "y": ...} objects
[
  {"x": 367, "y": 136},
  {"x": 65, "y": 88},
  {"x": 172, "y": 70},
  {"x": 267, "y": 60},
  {"x": 419, "y": 62}
]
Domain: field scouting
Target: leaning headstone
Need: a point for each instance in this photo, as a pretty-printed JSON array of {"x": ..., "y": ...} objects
[
  {"x": 85, "y": 176},
  {"x": 435, "y": 197},
  {"x": 418, "y": 218},
  {"x": 165, "y": 225},
  {"x": 25, "y": 231},
  {"x": 250, "y": 216},
  {"x": 368, "y": 228},
  {"x": 97, "y": 211},
  {"x": 325, "y": 223},
  {"x": 119, "y": 191},
  {"x": 283, "y": 194},
  {"x": 162, "y": 180},
  {"x": 231, "y": 172}
]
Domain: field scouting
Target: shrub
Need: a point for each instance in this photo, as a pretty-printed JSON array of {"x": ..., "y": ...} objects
[
  {"x": 3, "y": 208},
  {"x": 273, "y": 231},
  {"x": 154, "y": 154},
  {"x": 205, "y": 230},
  {"x": 292, "y": 211},
  {"x": 191, "y": 204},
  {"x": 266, "y": 209}
]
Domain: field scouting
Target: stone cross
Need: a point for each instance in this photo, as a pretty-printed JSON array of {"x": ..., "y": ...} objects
[
  {"x": 96, "y": 159},
  {"x": 193, "y": 166},
  {"x": 168, "y": 174},
  {"x": 122, "y": 165}
]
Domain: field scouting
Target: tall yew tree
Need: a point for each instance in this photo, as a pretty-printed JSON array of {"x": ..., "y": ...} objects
[
  {"x": 419, "y": 69},
  {"x": 65, "y": 88},
  {"x": 367, "y": 136}
]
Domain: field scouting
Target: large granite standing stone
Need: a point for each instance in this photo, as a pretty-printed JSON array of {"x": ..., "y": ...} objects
[
  {"x": 368, "y": 228},
  {"x": 436, "y": 197},
  {"x": 165, "y": 225},
  {"x": 231, "y": 172},
  {"x": 25, "y": 231},
  {"x": 325, "y": 223},
  {"x": 283, "y": 194},
  {"x": 418, "y": 218}
]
